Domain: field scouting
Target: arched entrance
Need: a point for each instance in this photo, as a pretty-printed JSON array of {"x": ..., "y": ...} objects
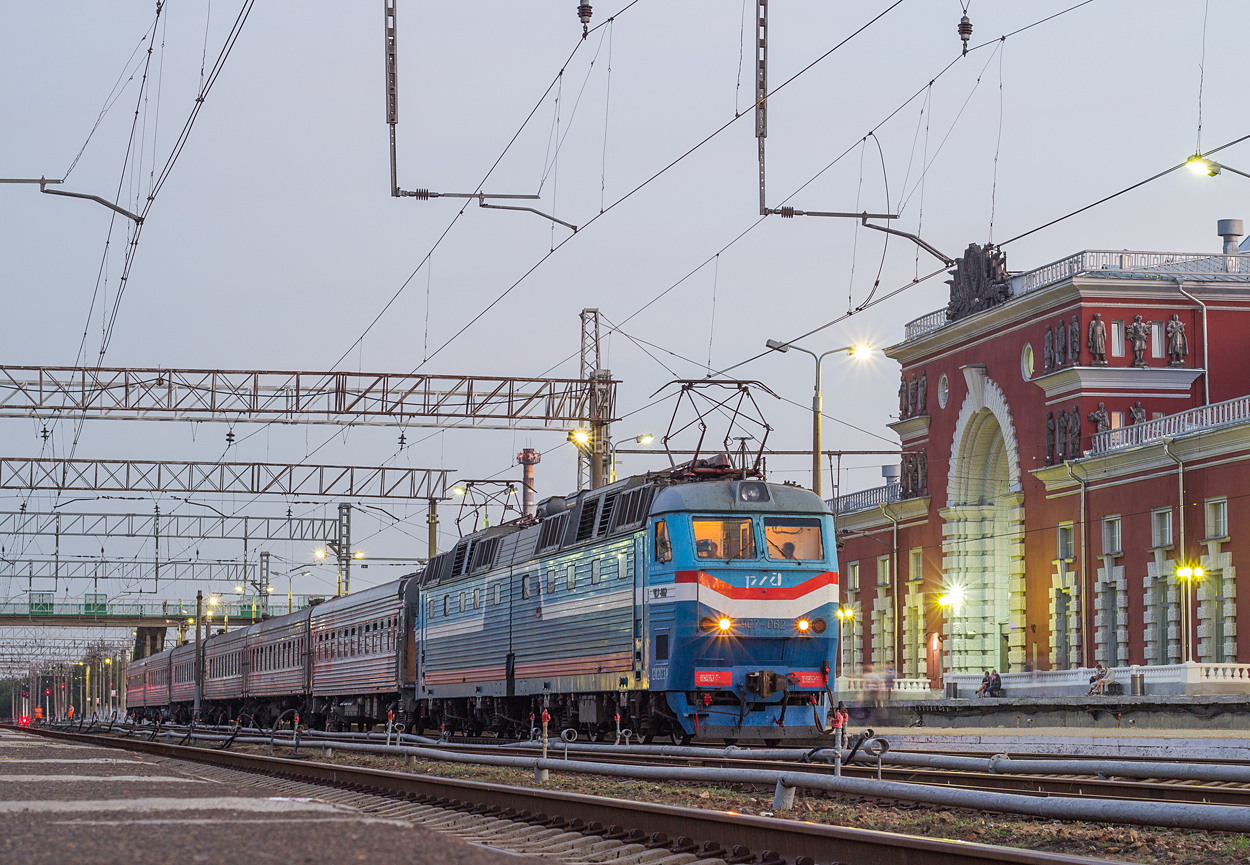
[{"x": 983, "y": 540}]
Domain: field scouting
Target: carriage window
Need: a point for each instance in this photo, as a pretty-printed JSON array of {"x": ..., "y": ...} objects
[
  {"x": 551, "y": 581},
  {"x": 497, "y": 585},
  {"x": 477, "y": 599},
  {"x": 594, "y": 572},
  {"x": 525, "y": 586},
  {"x": 724, "y": 539},
  {"x": 793, "y": 538},
  {"x": 570, "y": 577},
  {"x": 663, "y": 549}
]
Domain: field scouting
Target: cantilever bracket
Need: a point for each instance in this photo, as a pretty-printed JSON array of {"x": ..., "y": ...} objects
[
  {"x": 481, "y": 202},
  {"x": 948, "y": 261},
  {"x": 43, "y": 187}
]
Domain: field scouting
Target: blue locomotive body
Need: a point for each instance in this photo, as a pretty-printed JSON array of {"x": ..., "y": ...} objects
[{"x": 657, "y": 605}]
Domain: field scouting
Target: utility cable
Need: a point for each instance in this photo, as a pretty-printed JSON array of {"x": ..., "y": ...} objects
[{"x": 648, "y": 181}]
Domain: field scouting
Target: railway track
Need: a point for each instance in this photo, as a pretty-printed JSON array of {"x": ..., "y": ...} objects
[
  {"x": 576, "y": 828},
  {"x": 1033, "y": 785}
]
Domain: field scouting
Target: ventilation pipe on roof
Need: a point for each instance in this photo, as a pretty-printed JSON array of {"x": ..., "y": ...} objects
[{"x": 1230, "y": 230}]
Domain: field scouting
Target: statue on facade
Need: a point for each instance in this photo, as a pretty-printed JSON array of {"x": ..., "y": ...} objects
[
  {"x": 902, "y": 397},
  {"x": 1097, "y": 341},
  {"x": 912, "y": 388},
  {"x": 904, "y": 477},
  {"x": 1048, "y": 351},
  {"x": 1050, "y": 438},
  {"x": 1137, "y": 413},
  {"x": 1100, "y": 418},
  {"x": 1074, "y": 342},
  {"x": 1074, "y": 433},
  {"x": 1178, "y": 343},
  {"x": 1138, "y": 334},
  {"x": 979, "y": 281},
  {"x": 922, "y": 470},
  {"x": 922, "y": 393},
  {"x": 1061, "y": 440},
  {"x": 1061, "y": 344}
]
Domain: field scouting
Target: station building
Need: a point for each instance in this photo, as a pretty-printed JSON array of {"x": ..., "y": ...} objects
[{"x": 1075, "y": 480}]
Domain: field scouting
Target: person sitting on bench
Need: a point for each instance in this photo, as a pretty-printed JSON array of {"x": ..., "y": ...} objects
[
  {"x": 996, "y": 685},
  {"x": 1097, "y": 681}
]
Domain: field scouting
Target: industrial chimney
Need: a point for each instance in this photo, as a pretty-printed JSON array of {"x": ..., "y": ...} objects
[{"x": 528, "y": 458}]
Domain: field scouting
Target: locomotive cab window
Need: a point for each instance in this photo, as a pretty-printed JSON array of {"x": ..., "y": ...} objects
[
  {"x": 732, "y": 538},
  {"x": 793, "y": 538},
  {"x": 663, "y": 549}
]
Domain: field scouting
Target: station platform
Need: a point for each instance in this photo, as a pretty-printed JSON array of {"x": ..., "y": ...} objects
[
  {"x": 1222, "y": 714},
  {"x": 66, "y": 802}
]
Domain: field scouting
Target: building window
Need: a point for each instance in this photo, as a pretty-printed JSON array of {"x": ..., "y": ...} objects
[
  {"x": 944, "y": 391},
  {"x": 1117, "y": 419},
  {"x": 1111, "y": 536},
  {"x": 915, "y": 573},
  {"x": 1026, "y": 361},
  {"x": 1161, "y": 528},
  {"x": 1157, "y": 341},
  {"x": 1065, "y": 547},
  {"x": 883, "y": 570},
  {"x": 1117, "y": 338},
  {"x": 852, "y": 576},
  {"x": 1217, "y": 518}
]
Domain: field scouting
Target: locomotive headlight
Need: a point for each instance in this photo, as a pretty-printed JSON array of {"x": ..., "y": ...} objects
[
  {"x": 724, "y": 623},
  {"x": 803, "y": 625}
]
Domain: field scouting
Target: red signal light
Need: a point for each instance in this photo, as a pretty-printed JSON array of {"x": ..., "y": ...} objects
[{"x": 47, "y": 692}]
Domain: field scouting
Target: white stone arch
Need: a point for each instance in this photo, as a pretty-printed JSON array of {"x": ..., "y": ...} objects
[
  {"x": 985, "y": 399},
  {"x": 983, "y": 536}
]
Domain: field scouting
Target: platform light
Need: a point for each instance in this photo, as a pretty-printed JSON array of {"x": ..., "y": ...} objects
[
  {"x": 579, "y": 437},
  {"x": 724, "y": 623},
  {"x": 359, "y": 554},
  {"x": 645, "y": 439},
  {"x": 861, "y": 351},
  {"x": 238, "y": 589},
  {"x": 269, "y": 589},
  {"x": 212, "y": 599},
  {"x": 320, "y": 554},
  {"x": 458, "y": 490}
]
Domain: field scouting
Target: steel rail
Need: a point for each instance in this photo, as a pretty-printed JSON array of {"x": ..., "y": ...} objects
[{"x": 794, "y": 841}]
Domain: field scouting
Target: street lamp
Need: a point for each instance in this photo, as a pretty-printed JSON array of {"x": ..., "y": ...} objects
[
  {"x": 846, "y": 619},
  {"x": 860, "y": 350},
  {"x": 644, "y": 439},
  {"x": 1200, "y": 164},
  {"x": 1188, "y": 574},
  {"x": 951, "y": 601}
]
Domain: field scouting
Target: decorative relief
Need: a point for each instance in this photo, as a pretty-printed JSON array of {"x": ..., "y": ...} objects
[{"x": 980, "y": 281}]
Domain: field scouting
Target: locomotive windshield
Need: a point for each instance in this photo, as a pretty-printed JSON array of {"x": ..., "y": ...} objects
[
  {"x": 793, "y": 538},
  {"x": 732, "y": 538}
]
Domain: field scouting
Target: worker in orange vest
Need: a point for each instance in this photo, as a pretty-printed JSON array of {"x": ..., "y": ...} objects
[
  {"x": 39, "y": 714},
  {"x": 71, "y": 712}
]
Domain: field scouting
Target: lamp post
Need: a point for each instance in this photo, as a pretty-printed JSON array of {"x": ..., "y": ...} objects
[
  {"x": 951, "y": 601},
  {"x": 854, "y": 351},
  {"x": 846, "y": 619},
  {"x": 1188, "y": 574}
]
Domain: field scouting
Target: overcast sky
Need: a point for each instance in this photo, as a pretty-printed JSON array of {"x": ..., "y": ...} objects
[{"x": 275, "y": 243}]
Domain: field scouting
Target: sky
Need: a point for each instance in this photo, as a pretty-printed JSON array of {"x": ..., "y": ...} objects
[{"x": 274, "y": 242}]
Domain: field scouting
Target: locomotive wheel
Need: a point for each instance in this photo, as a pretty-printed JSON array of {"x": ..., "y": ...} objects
[{"x": 679, "y": 736}]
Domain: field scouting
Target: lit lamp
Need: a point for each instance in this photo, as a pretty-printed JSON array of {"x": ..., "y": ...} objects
[
  {"x": 321, "y": 554},
  {"x": 1200, "y": 164},
  {"x": 1188, "y": 574}
]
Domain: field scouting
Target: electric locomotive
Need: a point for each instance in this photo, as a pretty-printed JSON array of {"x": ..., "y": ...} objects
[{"x": 663, "y": 604}]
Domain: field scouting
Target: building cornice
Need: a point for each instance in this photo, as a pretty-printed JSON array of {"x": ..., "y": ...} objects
[
  {"x": 1194, "y": 449},
  {"x": 874, "y": 518},
  {"x": 1131, "y": 379},
  {"x": 1146, "y": 291},
  {"x": 911, "y": 428}
]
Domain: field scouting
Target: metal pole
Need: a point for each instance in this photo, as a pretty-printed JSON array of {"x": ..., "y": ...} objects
[
  {"x": 817, "y": 407},
  {"x": 431, "y": 522},
  {"x": 199, "y": 648}
]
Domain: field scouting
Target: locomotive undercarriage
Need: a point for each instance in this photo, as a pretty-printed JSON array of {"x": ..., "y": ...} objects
[{"x": 594, "y": 716}]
